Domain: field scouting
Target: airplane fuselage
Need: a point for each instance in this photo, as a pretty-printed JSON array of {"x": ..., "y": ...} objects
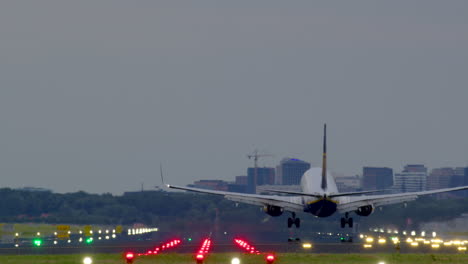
[{"x": 310, "y": 183}]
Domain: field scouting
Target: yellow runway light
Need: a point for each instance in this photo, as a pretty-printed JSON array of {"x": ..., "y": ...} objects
[{"x": 306, "y": 245}]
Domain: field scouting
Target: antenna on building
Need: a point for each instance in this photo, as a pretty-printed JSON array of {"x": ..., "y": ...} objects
[{"x": 255, "y": 155}]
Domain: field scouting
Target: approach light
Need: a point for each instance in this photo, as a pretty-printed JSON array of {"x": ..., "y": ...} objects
[
  {"x": 270, "y": 258},
  {"x": 87, "y": 260},
  {"x": 199, "y": 258},
  {"x": 129, "y": 257}
]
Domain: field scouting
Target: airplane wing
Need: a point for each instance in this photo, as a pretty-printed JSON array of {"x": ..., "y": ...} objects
[
  {"x": 378, "y": 200},
  {"x": 288, "y": 203}
]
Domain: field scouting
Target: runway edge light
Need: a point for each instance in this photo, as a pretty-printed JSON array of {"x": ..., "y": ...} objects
[{"x": 87, "y": 260}]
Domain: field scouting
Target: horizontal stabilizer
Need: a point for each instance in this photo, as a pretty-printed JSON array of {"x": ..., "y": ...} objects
[
  {"x": 316, "y": 195},
  {"x": 352, "y": 193}
]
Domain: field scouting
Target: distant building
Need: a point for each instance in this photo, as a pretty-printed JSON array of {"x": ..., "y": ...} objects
[
  {"x": 217, "y": 185},
  {"x": 446, "y": 178},
  {"x": 291, "y": 171},
  {"x": 241, "y": 180},
  {"x": 264, "y": 176},
  {"x": 348, "y": 183},
  {"x": 413, "y": 178},
  {"x": 377, "y": 178},
  {"x": 440, "y": 178}
]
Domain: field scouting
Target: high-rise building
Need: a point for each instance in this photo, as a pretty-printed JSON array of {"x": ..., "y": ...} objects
[
  {"x": 377, "y": 178},
  {"x": 413, "y": 178},
  {"x": 446, "y": 178},
  {"x": 440, "y": 178},
  {"x": 265, "y": 176},
  {"x": 291, "y": 171}
]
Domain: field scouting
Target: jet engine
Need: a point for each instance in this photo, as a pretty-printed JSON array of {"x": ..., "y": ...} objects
[
  {"x": 273, "y": 210},
  {"x": 365, "y": 210}
]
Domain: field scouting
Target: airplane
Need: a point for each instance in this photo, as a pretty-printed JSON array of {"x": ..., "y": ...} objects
[{"x": 319, "y": 196}]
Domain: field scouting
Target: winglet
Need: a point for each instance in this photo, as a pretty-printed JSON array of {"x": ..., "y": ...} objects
[
  {"x": 324, "y": 159},
  {"x": 161, "y": 172}
]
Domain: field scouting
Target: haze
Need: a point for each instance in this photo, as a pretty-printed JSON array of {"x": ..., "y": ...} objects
[{"x": 96, "y": 94}]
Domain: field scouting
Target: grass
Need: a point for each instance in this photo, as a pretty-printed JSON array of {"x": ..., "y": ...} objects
[{"x": 286, "y": 258}]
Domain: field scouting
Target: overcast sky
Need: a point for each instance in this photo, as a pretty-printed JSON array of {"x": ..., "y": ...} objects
[{"x": 94, "y": 95}]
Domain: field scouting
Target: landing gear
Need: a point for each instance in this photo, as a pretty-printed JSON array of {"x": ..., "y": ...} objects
[
  {"x": 346, "y": 220},
  {"x": 294, "y": 221}
]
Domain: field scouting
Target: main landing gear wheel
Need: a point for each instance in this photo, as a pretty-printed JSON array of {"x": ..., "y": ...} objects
[
  {"x": 294, "y": 221},
  {"x": 346, "y": 220}
]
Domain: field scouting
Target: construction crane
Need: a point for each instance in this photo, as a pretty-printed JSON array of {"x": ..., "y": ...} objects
[{"x": 255, "y": 155}]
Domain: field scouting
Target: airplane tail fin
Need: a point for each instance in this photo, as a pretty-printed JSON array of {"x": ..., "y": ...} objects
[{"x": 324, "y": 159}]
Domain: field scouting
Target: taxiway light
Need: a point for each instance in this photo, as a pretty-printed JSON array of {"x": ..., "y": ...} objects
[
  {"x": 87, "y": 260},
  {"x": 235, "y": 261}
]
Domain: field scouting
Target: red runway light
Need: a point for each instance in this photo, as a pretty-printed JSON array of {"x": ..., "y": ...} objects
[
  {"x": 270, "y": 258},
  {"x": 129, "y": 256}
]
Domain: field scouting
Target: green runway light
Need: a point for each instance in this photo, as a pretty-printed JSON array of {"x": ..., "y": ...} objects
[
  {"x": 89, "y": 240},
  {"x": 37, "y": 242},
  {"x": 189, "y": 239}
]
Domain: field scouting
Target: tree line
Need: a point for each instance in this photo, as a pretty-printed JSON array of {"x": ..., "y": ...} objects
[{"x": 189, "y": 211}]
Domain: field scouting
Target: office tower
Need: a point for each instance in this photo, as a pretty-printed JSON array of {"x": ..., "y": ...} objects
[
  {"x": 291, "y": 170},
  {"x": 413, "y": 178},
  {"x": 265, "y": 176}
]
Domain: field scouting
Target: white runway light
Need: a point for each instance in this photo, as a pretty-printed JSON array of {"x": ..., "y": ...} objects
[
  {"x": 87, "y": 260},
  {"x": 235, "y": 261}
]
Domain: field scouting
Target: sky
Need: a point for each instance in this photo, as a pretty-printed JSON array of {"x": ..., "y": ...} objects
[{"x": 95, "y": 95}]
